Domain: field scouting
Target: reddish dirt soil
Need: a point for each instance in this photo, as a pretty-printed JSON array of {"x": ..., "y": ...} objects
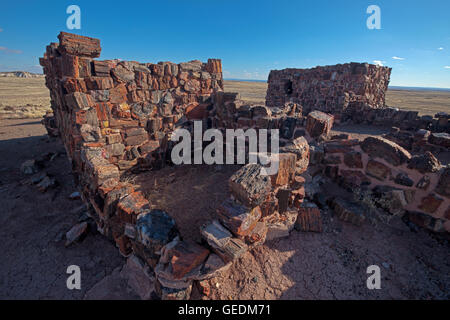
[
  {"x": 34, "y": 258},
  {"x": 331, "y": 265},
  {"x": 188, "y": 193}
]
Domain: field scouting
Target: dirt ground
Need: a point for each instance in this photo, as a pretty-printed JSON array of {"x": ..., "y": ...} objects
[
  {"x": 330, "y": 265},
  {"x": 188, "y": 193},
  {"x": 34, "y": 258}
]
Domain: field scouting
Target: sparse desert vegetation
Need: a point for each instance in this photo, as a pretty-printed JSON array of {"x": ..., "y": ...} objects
[{"x": 23, "y": 98}]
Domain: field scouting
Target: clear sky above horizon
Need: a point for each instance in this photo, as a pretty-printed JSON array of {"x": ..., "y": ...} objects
[{"x": 251, "y": 37}]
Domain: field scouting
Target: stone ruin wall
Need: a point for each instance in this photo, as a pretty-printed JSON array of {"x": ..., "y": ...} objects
[
  {"x": 116, "y": 117},
  {"x": 353, "y": 92},
  {"x": 329, "y": 89}
]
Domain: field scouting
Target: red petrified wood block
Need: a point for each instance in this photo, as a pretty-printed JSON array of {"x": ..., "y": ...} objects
[
  {"x": 319, "y": 123},
  {"x": 237, "y": 218},
  {"x": 186, "y": 256}
]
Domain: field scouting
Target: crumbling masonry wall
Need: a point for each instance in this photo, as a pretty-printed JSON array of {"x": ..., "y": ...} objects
[
  {"x": 331, "y": 88},
  {"x": 116, "y": 117}
]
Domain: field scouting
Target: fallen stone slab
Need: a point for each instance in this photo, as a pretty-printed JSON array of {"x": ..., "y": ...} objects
[
  {"x": 443, "y": 187},
  {"x": 283, "y": 227},
  {"x": 249, "y": 186},
  {"x": 441, "y": 139},
  {"x": 237, "y": 218},
  {"x": 222, "y": 242},
  {"x": 385, "y": 149},
  {"x": 300, "y": 148},
  {"x": 319, "y": 123},
  {"x": 76, "y": 233},
  {"x": 424, "y": 163},
  {"x": 29, "y": 167},
  {"x": 348, "y": 211}
]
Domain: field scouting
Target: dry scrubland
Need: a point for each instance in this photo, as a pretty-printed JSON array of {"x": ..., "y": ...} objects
[
  {"x": 426, "y": 102},
  {"x": 23, "y": 98},
  {"x": 29, "y": 98}
]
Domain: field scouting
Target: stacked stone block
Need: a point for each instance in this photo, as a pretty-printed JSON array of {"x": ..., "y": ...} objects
[{"x": 331, "y": 88}]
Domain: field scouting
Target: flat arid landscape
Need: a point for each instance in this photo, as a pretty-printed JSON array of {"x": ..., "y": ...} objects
[{"x": 28, "y": 98}]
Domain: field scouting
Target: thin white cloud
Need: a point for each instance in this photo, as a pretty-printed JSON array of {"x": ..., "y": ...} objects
[
  {"x": 7, "y": 50},
  {"x": 379, "y": 62},
  {"x": 447, "y": 67},
  {"x": 397, "y": 58},
  {"x": 440, "y": 48}
]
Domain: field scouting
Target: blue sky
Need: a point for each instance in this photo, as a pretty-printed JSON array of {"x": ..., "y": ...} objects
[{"x": 251, "y": 37}]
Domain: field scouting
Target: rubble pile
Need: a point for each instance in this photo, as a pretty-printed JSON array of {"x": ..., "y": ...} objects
[{"x": 412, "y": 186}]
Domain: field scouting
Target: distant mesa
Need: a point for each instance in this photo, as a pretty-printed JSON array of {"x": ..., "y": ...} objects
[{"x": 21, "y": 74}]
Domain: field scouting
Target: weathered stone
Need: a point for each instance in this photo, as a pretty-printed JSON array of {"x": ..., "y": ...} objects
[
  {"x": 353, "y": 159},
  {"x": 29, "y": 167},
  {"x": 155, "y": 228},
  {"x": 79, "y": 45},
  {"x": 403, "y": 179},
  {"x": 184, "y": 257},
  {"x": 221, "y": 241},
  {"x": 286, "y": 169},
  {"x": 300, "y": 148},
  {"x": 130, "y": 206},
  {"x": 385, "y": 149},
  {"x": 283, "y": 227},
  {"x": 258, "y": 234},
  {"x": 425, "y": 221},
  {"x": 165, "y": 292},
  {"x": 319, "y": 123},
  {"x": 443, "y": 186},
  {"x": 441, "y": 139},
  {"x": 430, "y": 203},
  {"x": 309, "y": 220},
  {"x": 424, "y": 163},
  {"x": 79, "y": 101},
  {"x": 237, "y": 218},
  {"x": 423, "y": 183},
  {"x": 332, "y": 159},
  {"x": 46, "y": 183},
  {"x": 340, "y": 146},
  {"x": 105, "y": 172},
  {"x": 377, "y": 170},
  {"x": 283, "y": 196},
  {"x": 116, "y": 149},
  {"x": 249, "y": 186},
  {"x": 123, "y": 74},
  {"x": 348, "y": 211},
  {"x": 75, "y": 233},
  {"x": 389, "y": 198}
]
